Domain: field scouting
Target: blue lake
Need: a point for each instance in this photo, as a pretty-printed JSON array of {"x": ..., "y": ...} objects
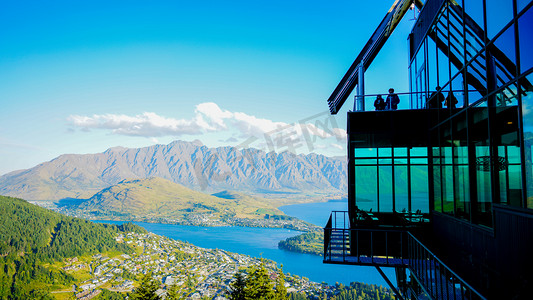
[
  {"x": 263, "y": 242},
  {"x": 315, "y": 213}
]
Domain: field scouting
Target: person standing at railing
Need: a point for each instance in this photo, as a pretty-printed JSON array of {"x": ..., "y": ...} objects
[
  {"x": 436, "y": 99},
  {"x": 392, "y": 100},
  {"x": 379, "y": 103},
  {"x": 451, "y": 101}
]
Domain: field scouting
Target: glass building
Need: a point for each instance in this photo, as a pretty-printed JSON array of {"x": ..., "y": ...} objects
[{"x": 443, "y": 191}]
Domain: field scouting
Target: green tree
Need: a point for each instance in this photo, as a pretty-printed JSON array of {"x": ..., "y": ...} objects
[
  {"x": 237, "y": 287},
  {"x": 146, "y": 290},
  {"x": 281, "y": 290},
  {"x": 258, "y": 285}
]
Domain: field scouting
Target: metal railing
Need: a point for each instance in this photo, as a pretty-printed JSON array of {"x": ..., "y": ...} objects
[{"x": 392, "y": 247}]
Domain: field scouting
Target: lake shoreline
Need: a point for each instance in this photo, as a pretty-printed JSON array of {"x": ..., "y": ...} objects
[{"x": 263, "y": 242}]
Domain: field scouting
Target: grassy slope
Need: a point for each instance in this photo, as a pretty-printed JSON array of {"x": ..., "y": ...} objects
[{"x": 161, "y": 198}]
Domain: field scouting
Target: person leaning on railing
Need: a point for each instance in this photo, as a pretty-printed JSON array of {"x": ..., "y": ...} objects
[
  {"x": 392, "y": 100},
  {"x": 451, "y": 101},
  {"x": 436, "y": 99},
  {"x": 379, "y": 103}
]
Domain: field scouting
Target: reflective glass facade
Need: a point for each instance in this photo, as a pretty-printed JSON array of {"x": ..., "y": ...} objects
[
  {"x": 477, "y": 55},
  {"x": 391, "y": 179},
  {"x": 456, "y": 169}
]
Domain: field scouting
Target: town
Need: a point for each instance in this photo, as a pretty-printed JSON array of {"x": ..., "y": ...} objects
[{"x": 198, "y": 273}]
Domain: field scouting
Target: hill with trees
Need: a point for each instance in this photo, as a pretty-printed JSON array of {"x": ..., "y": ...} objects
[
  {"x": 33, "y": 237},
  {"x": 160, "y": 198}
]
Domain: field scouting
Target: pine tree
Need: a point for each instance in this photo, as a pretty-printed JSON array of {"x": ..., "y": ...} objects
[
  {"x": 146, "y": 291},
  {"x": 237, "y": 287},
  {"x": 281, "y": 290},
  {"x": 258, "y": 285},
  {"x": 173, "y": 293}
]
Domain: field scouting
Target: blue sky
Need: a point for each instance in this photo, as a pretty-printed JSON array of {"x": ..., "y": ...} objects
[{"x": 84, "y": 76}]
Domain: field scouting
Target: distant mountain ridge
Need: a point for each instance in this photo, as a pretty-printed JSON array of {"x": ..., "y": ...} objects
[{"x": 195, "y": 166}]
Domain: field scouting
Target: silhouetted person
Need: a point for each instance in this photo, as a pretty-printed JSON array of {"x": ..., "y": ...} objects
[
  {"x": 392, "y": 100},
  {"x": 379, "y": 103},
  {"x": 436, "y": 99},
  {"x": 451, "y": 101}
]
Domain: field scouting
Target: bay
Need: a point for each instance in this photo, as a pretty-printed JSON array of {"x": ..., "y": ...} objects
[
  {"x": 263, "y": 242},
  {"x": 315, "y": 213}
]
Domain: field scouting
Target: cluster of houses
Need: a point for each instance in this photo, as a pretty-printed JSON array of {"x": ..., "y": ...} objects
[{"x": 197, "y": 271}]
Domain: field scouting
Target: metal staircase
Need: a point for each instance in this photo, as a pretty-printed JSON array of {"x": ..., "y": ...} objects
[{"x": 384, "y": 246}]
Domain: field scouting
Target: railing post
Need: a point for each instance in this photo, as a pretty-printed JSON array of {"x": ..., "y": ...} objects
[
  {"x": 372, "y": 246},
  {"x": 386, "y": 247},
  {"x": 357, "y": 241},
  {"x": 359, "y": 103},
  {"x": 344, "y": 245}
]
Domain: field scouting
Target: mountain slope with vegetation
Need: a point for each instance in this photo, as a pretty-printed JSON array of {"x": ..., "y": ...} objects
[
  {"x": 32, "y": 237},
  {"x": 160, "y": 198},
  {"x": 210, "y": 170}
]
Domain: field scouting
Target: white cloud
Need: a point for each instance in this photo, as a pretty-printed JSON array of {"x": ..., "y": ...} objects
[
  {"x": 148, "y": 124},
  {"x": 209, "y": 117},
  {"x": 340, "y": 147}
]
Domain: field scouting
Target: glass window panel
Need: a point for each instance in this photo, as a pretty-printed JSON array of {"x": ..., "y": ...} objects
[
  {"x": 419, "y": 151},
  {"x": 437, "y": 158},
  {"x": 432, "y": 62},
  {"x": 412, "y": 96},
  {"x": 507, "y": 96},
  {"x": 366, "y": 189},
  {"x": 385, "y": 152},
  {"x": 504, "y": 183},
  {"x": 521, "y": 4},
  {"x": 400, "y": 152},
  {"x": 365, "y": 161},
  {"x": 499, "y": 13},
  {"x": 506, "y": 44},
  {"x": 478, "y": 70},
  {"x": 454, "y": 69},
  {"x": 419, "y": 188},
  {"x": 456, "y": 37},
  {"x": 447, "y": 188},
  {"x": 462, "y": 192},
  {"x": 527, "y": 115},
  {"x": 461, "y": 155},
  {"x": 366, "y": 152},
  {"x": 420, "y": 85},
  {"x": 401, "y": 188},
  {"x": 474, "y": 44},
  {"x": 385, "y": 188},
  {"x": 444, "y": 69},
  {"x": 455, "y": 97},
  {"x": 419, "y": 161},
  {"x": 445, "y": 91},
  {"x": 386, "y": 161},
  {"x": 437, "y": 184},
  {"x": 515, "y": 183},
  {"x": 483, "y": 166},
  {"x": 448, "y": 157},
  {"x": 525, "y": 32},
  {"x": 475, "y": 83},
  {"x": 513, "y": 154},
  {"x": 474, "y": 10}
]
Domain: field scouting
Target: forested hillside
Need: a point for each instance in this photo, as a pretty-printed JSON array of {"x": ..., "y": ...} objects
[{"x": 31, "y": 236}]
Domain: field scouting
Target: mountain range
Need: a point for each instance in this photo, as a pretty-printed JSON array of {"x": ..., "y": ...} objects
[{"x": 209, "y": 170}]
